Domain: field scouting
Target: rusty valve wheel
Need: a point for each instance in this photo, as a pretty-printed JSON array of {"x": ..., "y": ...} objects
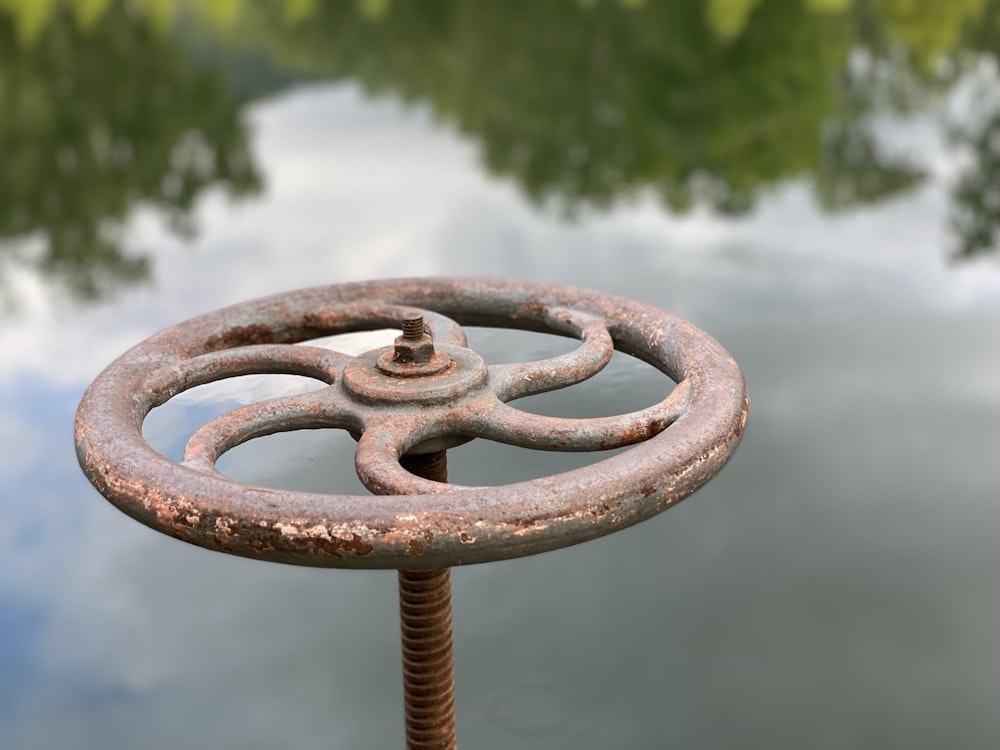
[
  {"x": 400, "y": 407},
  {"x": 407, "y": 404}
]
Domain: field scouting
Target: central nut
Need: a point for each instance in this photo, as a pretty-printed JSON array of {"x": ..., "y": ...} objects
[
  {"x": 413, "y": 353},
  {"x": 374, "y": 377},
  {"x": 412, "y": 371},
  {"x": 415, "y": 346}
]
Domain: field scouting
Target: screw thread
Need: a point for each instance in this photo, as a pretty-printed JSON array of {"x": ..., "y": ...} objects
[
  {"x": 428, "y": 668},
  {"x": 413, "y": 325},
  {"x": 425, "y": 619}
]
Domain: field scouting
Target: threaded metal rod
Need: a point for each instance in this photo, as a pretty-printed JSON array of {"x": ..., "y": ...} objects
[
  {"x": 428, "y": 670},
  {"x": 425, "y": 617},
  {"x": 413, "y": 325}
]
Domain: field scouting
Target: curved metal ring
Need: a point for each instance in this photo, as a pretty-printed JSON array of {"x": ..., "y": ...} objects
[{"x": 677, "y": 446}]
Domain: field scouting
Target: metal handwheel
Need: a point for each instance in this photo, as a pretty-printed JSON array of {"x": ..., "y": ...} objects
[{"x": 407, "y": 404}]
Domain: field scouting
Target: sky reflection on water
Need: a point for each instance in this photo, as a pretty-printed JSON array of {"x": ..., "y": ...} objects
[{"x": 834, "y": 587}]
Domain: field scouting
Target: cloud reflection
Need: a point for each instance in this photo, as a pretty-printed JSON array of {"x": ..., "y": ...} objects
[{"x": 133, "y": 639}]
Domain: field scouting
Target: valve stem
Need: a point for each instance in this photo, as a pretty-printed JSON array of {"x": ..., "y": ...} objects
[{"x": 425, "y": 619}]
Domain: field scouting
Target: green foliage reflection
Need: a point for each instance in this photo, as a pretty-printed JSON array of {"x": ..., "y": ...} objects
[
  {"x": 109, "y": 105},
  {"x": 976, "y": 214},
  {"x": 103, "y": 112},
  {"x": 584, "y": 102}
]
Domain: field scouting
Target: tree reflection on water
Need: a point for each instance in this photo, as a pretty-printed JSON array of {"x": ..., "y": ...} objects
[
  {"x": 110, "y": 106},
  {"x": 102, "y": 115}
]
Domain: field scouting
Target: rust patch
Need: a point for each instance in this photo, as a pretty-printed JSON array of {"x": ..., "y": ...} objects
[
  {"x": 240, "y": 336},
  {"x": 415, "y": 548},
  {"x": 336, "y": 546}
]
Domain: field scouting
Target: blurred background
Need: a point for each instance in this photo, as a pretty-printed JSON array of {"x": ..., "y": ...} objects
[{"x": 816, "y": 183}]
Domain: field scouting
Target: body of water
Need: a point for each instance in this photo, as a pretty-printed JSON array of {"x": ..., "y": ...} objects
[{"x": 813, "y": 183}]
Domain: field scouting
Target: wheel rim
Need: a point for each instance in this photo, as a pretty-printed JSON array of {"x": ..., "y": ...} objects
[{"x": 676, "y": 445}]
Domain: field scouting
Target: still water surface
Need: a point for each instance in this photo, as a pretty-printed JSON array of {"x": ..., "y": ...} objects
[{"x": 811, "y": 182}]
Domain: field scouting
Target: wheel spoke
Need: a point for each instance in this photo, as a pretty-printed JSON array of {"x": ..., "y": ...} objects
[
  {"x": 377, "y": 459},
  {"x": 506, "y": 424},
  {"x": 261, "y": 359},
  {"x": 528, "y": 378},
  {"x": 444, "y": 329},
  {"x": 317, "y": 409}
]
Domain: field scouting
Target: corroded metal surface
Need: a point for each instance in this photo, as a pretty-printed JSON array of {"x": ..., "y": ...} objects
[
  {"x": 425, "y": 625},
  {"x": 678, "y": 444},
  {"x": 428, "y": 671}
]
